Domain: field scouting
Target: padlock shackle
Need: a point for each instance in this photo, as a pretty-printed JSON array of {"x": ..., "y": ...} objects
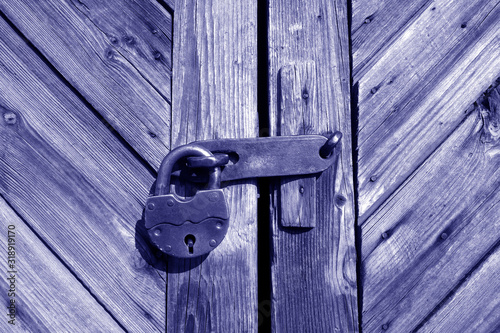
[{"x": 167, "y": 165}]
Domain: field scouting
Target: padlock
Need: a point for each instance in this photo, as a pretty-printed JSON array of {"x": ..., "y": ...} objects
[{"x": 190, "y": 227}]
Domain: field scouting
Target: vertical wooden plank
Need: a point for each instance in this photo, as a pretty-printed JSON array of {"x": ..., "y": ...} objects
[
  {"x": 215, "y": 96},
  {"x": 314, "y": 272},
  {"x": 298, "y": 108}
]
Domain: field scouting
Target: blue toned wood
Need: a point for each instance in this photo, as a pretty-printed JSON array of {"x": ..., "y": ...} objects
[
  {"x": 215, "y": 96},
  {"x": 48, "y": 297},
  {"x": 117, "y": 54},
  {"x": 376, "y": 24},
  {"x": 417, "y": 89},
  {"x": 78, "y": 188},
  {"x": 474, "y": 306},
  {"x": 314, "y": 270},
  {"x": 298, "y": 112},
  {"x": 423, "y": 249}
]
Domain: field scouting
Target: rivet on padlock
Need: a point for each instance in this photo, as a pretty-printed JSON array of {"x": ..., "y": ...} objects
[{"x": 190, "y": 227}]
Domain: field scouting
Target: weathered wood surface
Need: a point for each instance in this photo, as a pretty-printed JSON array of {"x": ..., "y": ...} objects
[
  {"x": 49, "y": 298},
  {"x": 76, "y": 186},
  {"x": 117, "y": 54},
  {"x": 477, "y": 298},
  {"x": 417, "y": 71},
  {"x": 298, "y": 113},
  {"x": 215, "y": 96},
  {"x": 435, "y": 231},
  {"x": 376, "y": 25},
  {"x": 413, "y": 92},
  {"x": 314, "y": 270}
]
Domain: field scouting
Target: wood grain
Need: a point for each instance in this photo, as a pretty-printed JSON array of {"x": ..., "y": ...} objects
[
  {"x": 215, "y": 96},
  {"x": 117, "y": 54},
  {"x": 435, "y": 231},
  {"x": 416, "y": 91},
  {"x": 314, "y": 271},
  {"x": 476, "y": 299},
  {"x": 48, "y": 296},
  {"x": 298, "y": 114},
  {"x": 77, "y": 187},
  {"x": 376, "y": 24}
]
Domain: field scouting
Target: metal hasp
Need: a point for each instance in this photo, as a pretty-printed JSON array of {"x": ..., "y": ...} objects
[
  {"x": 272, "y": 156},
  {"x": 190, "y": 227}
]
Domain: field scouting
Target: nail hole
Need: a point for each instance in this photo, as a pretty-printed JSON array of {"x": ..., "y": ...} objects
[{"x": 305, "y": 94}]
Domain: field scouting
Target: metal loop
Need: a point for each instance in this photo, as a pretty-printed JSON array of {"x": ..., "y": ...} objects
[
  {"x": 327, "y": 149},
  {"x": 165, "y": 171}
]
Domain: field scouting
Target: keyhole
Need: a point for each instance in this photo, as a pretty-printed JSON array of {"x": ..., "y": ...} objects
[{"x": 190, "y": 240}]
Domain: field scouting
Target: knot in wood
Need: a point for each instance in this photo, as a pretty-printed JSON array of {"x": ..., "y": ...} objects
[{"x": 10, "y": 118}]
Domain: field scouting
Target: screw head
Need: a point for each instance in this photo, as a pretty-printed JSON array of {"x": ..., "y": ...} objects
[
  {"x": 168, "y": 248},
  {"x": 218, "y": 225},
  {"x": 301, "y": 190},
  {"x": 151, "y": 206},
  {"x": 157, "y": 232},
  {"x": 213, "y": 243},
  {"x": 170, "y": 202}
]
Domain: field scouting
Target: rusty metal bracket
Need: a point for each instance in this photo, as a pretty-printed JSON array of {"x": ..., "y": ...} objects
[{"x": 267, "y": 157}]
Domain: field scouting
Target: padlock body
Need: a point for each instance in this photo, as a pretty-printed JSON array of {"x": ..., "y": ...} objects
[{"x": 174, "y": 223}]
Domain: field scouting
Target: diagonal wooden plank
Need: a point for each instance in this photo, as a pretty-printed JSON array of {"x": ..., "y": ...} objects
[
  {"x": 415, "y": 94},
  {"x": 377, "y": 24},
  {"x": 116, "y": 54},
  {"x": 77, "y": 186},
  {"x": 215, "y": 96},
  {"x": 476, "y": 298},
  {"x": 430, "y": 235},
  {"x": 47, "y": 297},
  {"x": 314, "y": 270}
]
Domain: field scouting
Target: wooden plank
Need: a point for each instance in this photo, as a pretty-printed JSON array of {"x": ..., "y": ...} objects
[
  {"x": 77, "y": 187},
  {"x": 316, "y": 267},
  {"x": 416, "y": 92},
  {"x": 432, "y": 233},
  {"x": 116, "y": 54},
  {"x": 376, "y": 25},
  {"x": 215, "y": 96},
  {"x": 476, "y": 299},
  {"x": 298, "y": 106},
  {"x": 47, "y": 296}
]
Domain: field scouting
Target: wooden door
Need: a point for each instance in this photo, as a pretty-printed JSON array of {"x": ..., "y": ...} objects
[
  {"x": 400, "y": 235},
  {"x": 95, "y": 94},
  {"x": 427, "y": 165}
]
